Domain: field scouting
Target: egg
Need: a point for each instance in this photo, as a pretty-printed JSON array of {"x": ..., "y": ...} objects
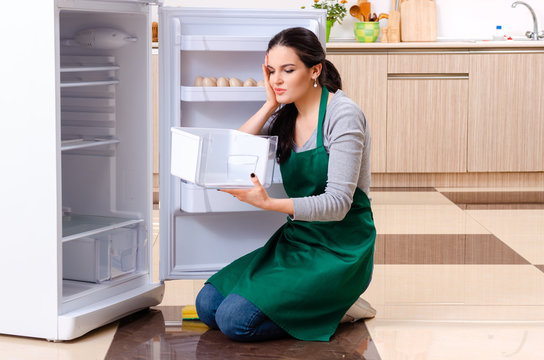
[
  {"x": 198, "y": 81},
  {"x": 223, "y": 81},
  {"x": 236, "y": 82},
  {"x": 250, "y": 82},
  {"x": 208, "y": 81},
  {"x": 260, "y": 83}
]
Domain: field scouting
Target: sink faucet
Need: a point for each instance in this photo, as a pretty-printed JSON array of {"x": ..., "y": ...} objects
[{"x": 534, "y": 35}]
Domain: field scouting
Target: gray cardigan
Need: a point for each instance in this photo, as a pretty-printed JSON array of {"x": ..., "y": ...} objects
[{"x": 346, "y": 138}]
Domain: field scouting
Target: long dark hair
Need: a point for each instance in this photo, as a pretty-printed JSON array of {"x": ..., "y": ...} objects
[{"x": 309, "y": 50}]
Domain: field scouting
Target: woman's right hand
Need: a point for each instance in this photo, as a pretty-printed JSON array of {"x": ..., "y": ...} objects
[{"x": 270, "y": 94}]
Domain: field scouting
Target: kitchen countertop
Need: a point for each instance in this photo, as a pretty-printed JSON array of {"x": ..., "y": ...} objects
[{"x": 441, "y": 44}]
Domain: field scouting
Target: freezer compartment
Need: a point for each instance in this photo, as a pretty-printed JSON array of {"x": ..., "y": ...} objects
[
  {"x": 222, "y": 158},
  {"x": 102, "y": 257}
]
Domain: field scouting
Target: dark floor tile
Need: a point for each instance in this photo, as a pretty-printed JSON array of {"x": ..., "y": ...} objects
[
  {"x": 446, "y": 249},
  {"x": 424, "y": 248},
  {"x": 497, "y": 199},
  {"x": 540, "y": 267},
  {"x": 488, "y": 249},
  {"x": 379, "y": 250},
  {"x": 502, "y": 206},
  {"x": 403, "y": 189},
  {"x": 144, "y": 336}
]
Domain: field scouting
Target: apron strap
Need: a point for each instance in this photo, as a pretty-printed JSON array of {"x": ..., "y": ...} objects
[{"x": 322, "y": 108}]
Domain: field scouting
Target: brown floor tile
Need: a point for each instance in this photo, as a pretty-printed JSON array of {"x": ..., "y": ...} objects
[
  {"x": 379, "y": 250},
  {"x": 446, "y": 249},
  {"x": 540, "y": 267},
  {"x": 144, "y": 336},
  {"x": 497, "y": 199},
  {"x": 488, "y": 249},
  {"x": 403, "y": 189},
  {"x": 424, "y": 249},
  {"x": 502, "y": 206}
]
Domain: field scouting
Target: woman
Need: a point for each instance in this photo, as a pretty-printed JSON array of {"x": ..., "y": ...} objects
[{"x": 313, "y": 269}]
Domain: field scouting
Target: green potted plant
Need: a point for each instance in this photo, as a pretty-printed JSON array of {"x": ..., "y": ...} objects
[{"x": 336, "y": 10}]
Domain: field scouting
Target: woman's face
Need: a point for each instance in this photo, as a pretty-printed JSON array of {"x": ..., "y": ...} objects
[{"x": 289, "y": 77}]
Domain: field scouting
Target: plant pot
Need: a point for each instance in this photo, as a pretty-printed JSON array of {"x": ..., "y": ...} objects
[{"x": 329, "y": 26}]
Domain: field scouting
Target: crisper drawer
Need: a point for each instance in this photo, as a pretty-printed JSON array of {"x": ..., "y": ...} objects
[
  {"x": 431, "y": 63},
  {"x": 101, "y": 257},
  {"x": 222, "y": 158}
]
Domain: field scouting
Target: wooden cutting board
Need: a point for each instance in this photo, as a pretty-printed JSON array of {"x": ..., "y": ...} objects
[{"x": 418, "y": 20}]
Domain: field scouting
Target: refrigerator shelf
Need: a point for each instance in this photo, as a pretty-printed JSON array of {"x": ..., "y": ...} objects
[
  {"x": 81, "y": 143},
  {"x": 73, "y": 289},
  {"x": 224, "y": 43},
  {"x": 78, "y": 226},
  {"x": 83, "y": 68},
  {"x": 242, "y": 94},
  {"x": 88, "y": 83}
]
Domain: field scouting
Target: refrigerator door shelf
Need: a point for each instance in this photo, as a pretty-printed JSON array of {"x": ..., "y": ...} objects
[
  {"x": 242, "y": 94},
  {"x": 224, "y": 43},
  {"x": 80, "y": 143}
]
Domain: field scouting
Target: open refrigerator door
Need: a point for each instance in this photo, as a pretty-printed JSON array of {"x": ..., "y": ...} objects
[{"x": 206, "y": 58}]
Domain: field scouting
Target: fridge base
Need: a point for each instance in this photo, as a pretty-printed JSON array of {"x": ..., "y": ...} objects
[{"x": 79, "y": 322}]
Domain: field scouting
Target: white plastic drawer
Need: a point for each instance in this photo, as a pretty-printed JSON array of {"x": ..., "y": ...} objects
[
  {"x": 222, "y": 158},
  {"x": 102, "y": 257}
]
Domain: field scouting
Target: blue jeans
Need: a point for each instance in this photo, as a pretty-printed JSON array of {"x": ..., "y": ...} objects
[{"x": 235, "y": 316}]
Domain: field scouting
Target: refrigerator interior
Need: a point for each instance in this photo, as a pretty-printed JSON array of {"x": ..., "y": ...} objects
[
  {"x": 206, "y": 229},
  {"x": 105, "y": 147}
]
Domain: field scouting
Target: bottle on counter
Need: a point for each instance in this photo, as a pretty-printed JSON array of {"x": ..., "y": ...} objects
[{"x": 498, "y": 35}]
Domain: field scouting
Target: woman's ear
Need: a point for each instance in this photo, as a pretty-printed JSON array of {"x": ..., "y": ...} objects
[{"x": 316, "y": 70}]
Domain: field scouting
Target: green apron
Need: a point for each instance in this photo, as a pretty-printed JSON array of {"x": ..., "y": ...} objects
[{"x": 308, "y": 274}]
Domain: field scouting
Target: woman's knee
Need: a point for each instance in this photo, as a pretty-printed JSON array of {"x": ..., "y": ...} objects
[
  {"x": 207, "y": 302},
  {"x": 234, "y": 317}
]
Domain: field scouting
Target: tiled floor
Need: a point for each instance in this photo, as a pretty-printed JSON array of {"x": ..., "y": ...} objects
[{"x": 459, "y": 274}]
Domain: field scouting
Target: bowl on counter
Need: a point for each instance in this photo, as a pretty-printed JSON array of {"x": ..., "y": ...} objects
[{"x": 366, "y": 31}]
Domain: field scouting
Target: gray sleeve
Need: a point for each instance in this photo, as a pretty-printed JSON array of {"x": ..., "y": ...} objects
[{"x": 345, "y": 133}]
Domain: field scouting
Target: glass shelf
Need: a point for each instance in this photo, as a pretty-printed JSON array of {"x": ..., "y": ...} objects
[
  {"x": 73, "y": 144},
  {"x": 83, "y": 68},
  {"x": 78, "y": 226},
  {"x": 88, "y": 83}
]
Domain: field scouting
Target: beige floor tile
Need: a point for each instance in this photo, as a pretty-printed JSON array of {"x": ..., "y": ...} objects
[
  {"x": 93, "y": 345},
  {"x": 446, "y": 341},
  {"x": 504, "y": 285},
  {"x": 179, "y": 293},
  {"x": 424, "y": 219},
  {"x": 408, "y": 198},
  {"x": 375, "y": 293},
  {"x": 522, "y": 230},
  {"x": 424, "y": 284},
  {"x": 461, "y": 312}
]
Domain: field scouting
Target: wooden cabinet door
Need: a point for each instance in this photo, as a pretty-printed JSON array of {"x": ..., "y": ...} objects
[
  {"x": 426, "y": 124},
  {"x": 506, "y": 113},
  {"x": 364, "y": 80}
]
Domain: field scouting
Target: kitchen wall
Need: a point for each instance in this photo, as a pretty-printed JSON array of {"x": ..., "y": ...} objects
[{"x": 459, "y": 19}]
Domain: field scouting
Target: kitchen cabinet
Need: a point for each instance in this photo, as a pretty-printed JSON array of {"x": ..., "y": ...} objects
[
  {"x": 364, "y": 80},
  {"x": 427, "y": 103},
  {"x": 506, "y": 112}
]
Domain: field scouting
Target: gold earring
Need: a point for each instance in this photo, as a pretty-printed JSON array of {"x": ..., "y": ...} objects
[{"x": 315, "y": 82}]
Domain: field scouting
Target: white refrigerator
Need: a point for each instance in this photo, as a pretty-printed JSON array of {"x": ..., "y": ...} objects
[{"x": 76, "y": 154}]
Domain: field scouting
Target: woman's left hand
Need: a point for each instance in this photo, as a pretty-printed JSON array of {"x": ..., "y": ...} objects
[{"x": 256, "y": 196}]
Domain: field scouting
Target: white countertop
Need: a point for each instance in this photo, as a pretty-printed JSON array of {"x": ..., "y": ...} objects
[{"x": 441, "y": 44}]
